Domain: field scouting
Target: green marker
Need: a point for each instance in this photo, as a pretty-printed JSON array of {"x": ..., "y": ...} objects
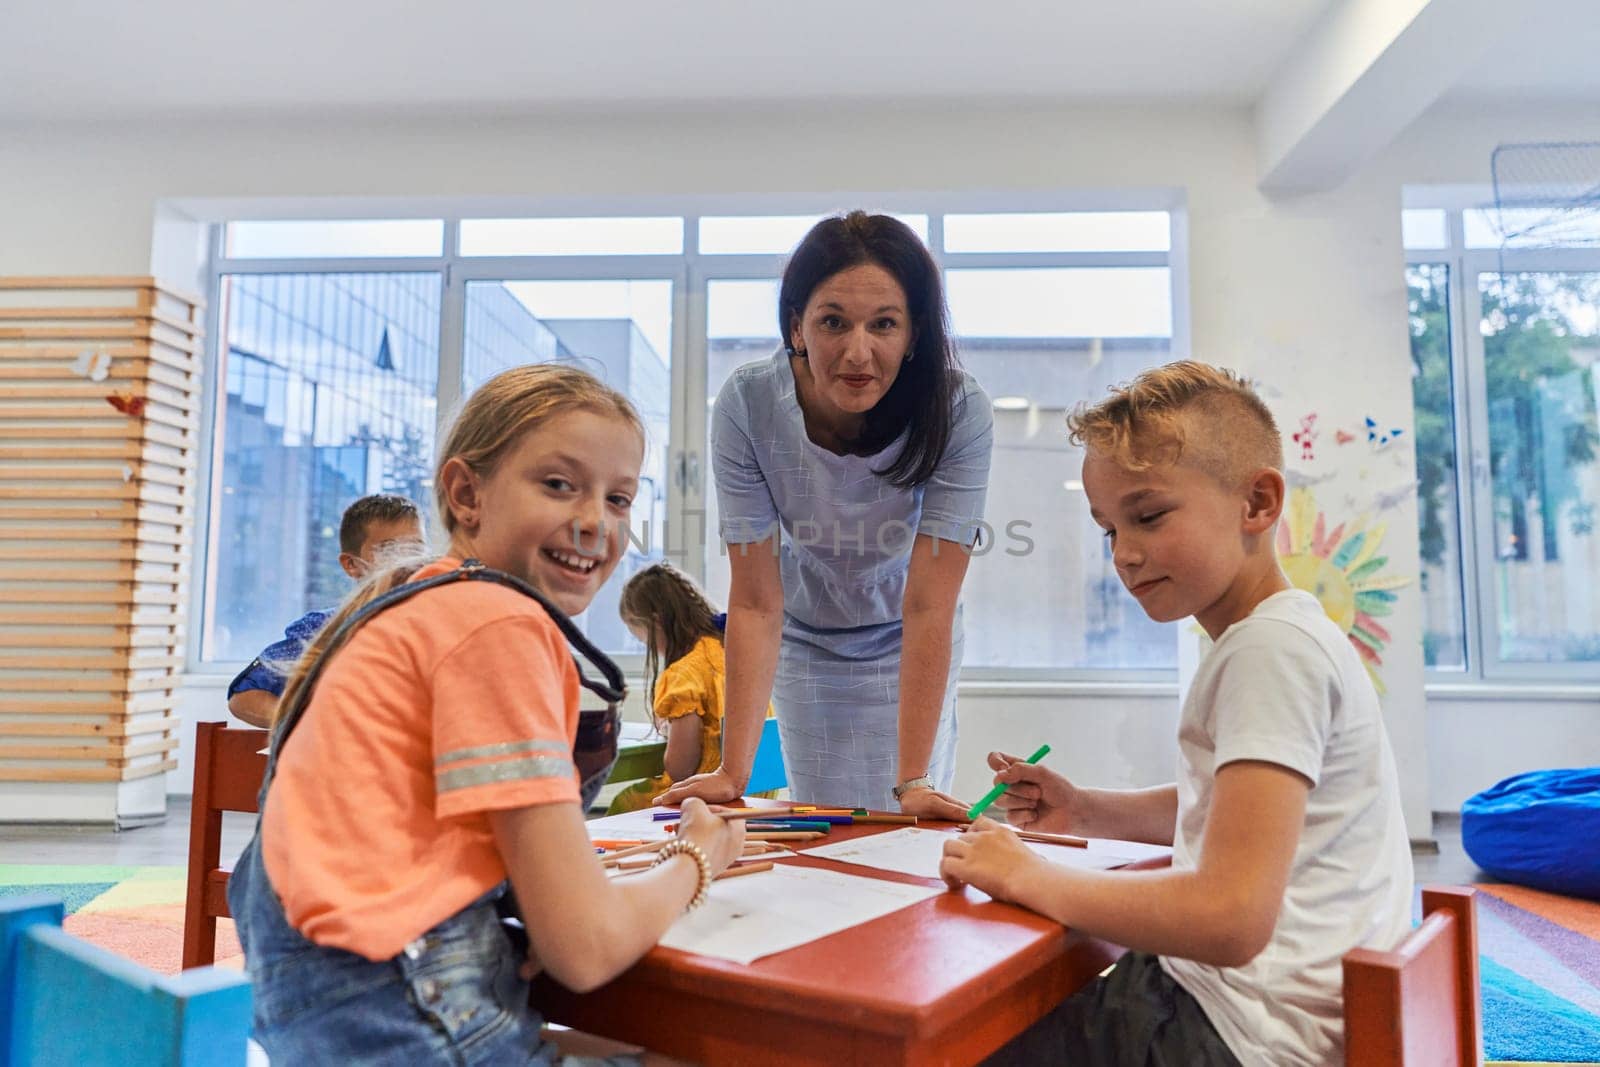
[{"x": 994, "y": 794}]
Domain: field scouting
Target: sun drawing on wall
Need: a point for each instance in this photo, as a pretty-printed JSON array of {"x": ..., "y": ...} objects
[{"x": 1342, "y": 569}]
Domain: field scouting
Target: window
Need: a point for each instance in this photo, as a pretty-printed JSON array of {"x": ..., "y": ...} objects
[
  {"x": 339, "y": 366},
  {"x": 1511, "y": 560},
  {"x": 326, "y": 392}
]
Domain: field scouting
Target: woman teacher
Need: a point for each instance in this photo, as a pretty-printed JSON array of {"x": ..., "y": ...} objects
[{"x": 864, "y": 441}]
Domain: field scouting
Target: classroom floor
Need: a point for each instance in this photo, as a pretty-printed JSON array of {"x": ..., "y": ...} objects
[{"x": 167, "y": 844}]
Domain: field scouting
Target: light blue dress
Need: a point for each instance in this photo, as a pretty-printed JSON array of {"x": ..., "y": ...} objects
[{"x": 845, "y": 549}]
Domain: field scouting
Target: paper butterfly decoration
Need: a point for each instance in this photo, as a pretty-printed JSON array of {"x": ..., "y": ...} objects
[
  {"x": 1380, "y": 439},
  {"x": 127, "y": 403},
  {"x": 92, "y": 365}
]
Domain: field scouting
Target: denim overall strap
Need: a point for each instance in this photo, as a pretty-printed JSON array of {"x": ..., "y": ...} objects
[{"x": 613, "y": 690}]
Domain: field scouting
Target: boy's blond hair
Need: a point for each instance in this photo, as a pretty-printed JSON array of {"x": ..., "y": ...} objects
[{"x": 1205, "y": 417}]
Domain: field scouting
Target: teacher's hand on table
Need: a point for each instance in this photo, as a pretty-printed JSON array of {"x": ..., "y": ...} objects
[
  {"x": 716, "y": 787},
  {"x": 987, "y": 857},
  {"x": 932, "y": 804}
]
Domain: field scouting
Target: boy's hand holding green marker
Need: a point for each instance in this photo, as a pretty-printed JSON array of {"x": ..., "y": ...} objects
[{"x": 994, "y": 794}]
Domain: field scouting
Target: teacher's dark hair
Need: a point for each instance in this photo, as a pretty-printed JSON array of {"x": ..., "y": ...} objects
[{"x": 923, "y": 393}]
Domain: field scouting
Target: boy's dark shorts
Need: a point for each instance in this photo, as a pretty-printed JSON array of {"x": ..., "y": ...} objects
[{"x": 1136, "y": 1015}]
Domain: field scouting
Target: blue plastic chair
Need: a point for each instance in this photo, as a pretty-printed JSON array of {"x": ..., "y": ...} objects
[
  {"x": 767, "y": 773},
  {"x": 65, "y": 1001}
]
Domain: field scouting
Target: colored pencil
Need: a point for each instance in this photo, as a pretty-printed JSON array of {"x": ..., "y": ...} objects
[
  {"x": 744, "y": 868},
  {"x": 902, "y": 820},
  {"x": 1046, "y": 839},
  {"x": 784, "y": 835},
  {"x": 610, "y": 859}
]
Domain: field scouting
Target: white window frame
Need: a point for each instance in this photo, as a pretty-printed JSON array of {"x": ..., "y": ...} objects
[
  {"x": 1469, "y": 396},
  {"x": 690, "y": 274}
]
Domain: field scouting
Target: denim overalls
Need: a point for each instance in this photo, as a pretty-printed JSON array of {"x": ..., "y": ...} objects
[{"x": 452, "y": 995}]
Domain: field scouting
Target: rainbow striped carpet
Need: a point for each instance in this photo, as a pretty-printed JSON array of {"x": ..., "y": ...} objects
[{"x": 1540, "y": 966}]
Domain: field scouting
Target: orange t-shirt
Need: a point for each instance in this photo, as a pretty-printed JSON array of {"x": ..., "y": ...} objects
[{"x": 459, "y": 701}]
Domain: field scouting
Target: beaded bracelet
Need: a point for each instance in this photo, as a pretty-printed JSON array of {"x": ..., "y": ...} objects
[{"x": 685, "y": 847}]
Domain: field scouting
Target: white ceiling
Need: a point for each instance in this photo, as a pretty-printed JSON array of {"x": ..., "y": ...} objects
[
  {"x": 1547, "y": 51},
  {"x": 93, "y": 59}
]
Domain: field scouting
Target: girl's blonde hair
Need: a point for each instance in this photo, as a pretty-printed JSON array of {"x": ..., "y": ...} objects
[
  {"x": 1208, "y": 417},
  {"x": 502, "y": 408},
  {"x": 674, "y": 614},
  {"x": 491, "y": 421}
]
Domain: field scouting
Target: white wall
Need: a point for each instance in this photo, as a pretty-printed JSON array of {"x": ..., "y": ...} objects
[{"x": 1312, "y": 286}]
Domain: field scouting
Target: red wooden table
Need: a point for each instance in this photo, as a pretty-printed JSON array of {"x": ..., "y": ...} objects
[{"x": 944, "y": 981}]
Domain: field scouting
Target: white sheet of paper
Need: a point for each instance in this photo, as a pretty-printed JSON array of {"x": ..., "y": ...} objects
[
  {"x": 916, "y": 851},
  {"x": 629, "y": 826},
  {"x": 744, "y": 919}
]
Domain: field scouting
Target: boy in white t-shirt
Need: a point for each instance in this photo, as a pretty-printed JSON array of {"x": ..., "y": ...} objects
[{"x": 1288, "y": 844}]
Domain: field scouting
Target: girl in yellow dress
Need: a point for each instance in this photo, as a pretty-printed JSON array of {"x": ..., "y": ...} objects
[{"x": 663, "y": 608}]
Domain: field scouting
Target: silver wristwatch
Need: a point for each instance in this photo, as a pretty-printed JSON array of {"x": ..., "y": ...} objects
[{"x": 924, "y": 782}]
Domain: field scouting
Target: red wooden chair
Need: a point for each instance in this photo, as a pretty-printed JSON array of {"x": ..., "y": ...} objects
[
  {"x": 228, "y": 770},
  {"x": 1418, "y": 1004}
]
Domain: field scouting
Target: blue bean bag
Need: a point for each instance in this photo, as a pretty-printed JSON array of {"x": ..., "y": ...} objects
[{"x": 1540, "y": 829}]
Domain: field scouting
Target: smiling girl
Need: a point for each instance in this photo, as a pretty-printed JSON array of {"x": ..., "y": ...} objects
[{"x": 431, "y": 766}]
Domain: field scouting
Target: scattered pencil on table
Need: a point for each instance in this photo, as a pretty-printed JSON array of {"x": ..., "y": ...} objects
[
  {"x": 610, "y": 859},
  {"x": 744, "y": 868},
  {"x": 784, "y": 835},
  {"x": 819, "y": 818},
  {"x": 1046, "y": 839},
  {"x": 994, "y": 794}
]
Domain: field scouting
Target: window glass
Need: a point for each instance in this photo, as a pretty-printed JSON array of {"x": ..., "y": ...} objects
[
  {"x": 327, "y": 394},
  {"x": 1071, "y": 231},
  {"x": 1424, "y": 228},
  {"x": 334, "y": 238},
  {"x": 621, "y": 332},
  {"x": 572, "y": 237},
  {"x": 770, "y": 234},
  {"x": 1443, "y": 634},
  {"x": 1541, "y": 341},
  {"x": 1040, "y": 342}
]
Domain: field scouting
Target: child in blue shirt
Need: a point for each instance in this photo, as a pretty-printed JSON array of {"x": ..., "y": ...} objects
[{"x": 370, "y": 527}]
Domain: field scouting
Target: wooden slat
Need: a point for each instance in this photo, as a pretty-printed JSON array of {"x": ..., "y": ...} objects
[
  {"x": 69, "y": 492},
  {"x": 98, "y": 391},
  {"x": 45, "y": 706},
  {"x": 128, "y": 510},
  {"x": 86, "y": 281},
  {"x": 122, "y": 593},
  {"x": 145, "y": 313},
  {"x": 155, "y": 726},
  {"x": 89, "y": 332},
  {"x": 95, "y": 413},
  {"x": 19, "y": 451},
  {"x": 147, "y": 685},
  {"x": 163, "y": 767},
  {"x": 103, "y": 753},
  {"x": 121, "y": 638},
  {"x": 128, "y": 753},
  {"x": 113, "y": 551},
  {"x": 104, "y": 728},
  {"x": 107, "y": 773},
  {"x": 79, "y": 573},
  {"x": 70, "y": 617},
  {"x": 110, "y": 661}
]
